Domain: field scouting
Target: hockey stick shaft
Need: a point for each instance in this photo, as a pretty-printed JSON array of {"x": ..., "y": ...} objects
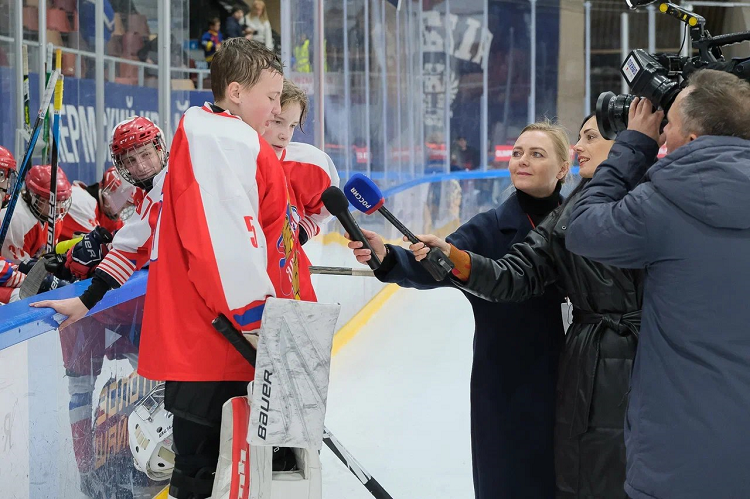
[
  {"x": 26, "y": 163},
  {"x": 314, "y": 269},
  {"x": 238, "y": 341},
  {"x": 365, "y": 478},
  {"x": 52, "y": 214},
  {"x": 46, "y": 139},
  {"x": 26, "y": 97}
]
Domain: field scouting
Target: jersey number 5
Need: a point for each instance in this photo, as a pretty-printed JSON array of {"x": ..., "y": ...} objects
[{"x": 251, "y": 229}]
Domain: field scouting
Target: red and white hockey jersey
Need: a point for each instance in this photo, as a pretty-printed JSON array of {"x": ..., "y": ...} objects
[
  {"x": 131, "y": 246},
  {"x": 27, "y": 236},
  {"x": 85, "y": 215},
  {"x": 224, "y": 243},
  {"x": 309, "y": 172}
]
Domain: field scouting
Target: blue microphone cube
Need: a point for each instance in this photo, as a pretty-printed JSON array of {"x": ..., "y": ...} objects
[{"x": 363, "y": 194}]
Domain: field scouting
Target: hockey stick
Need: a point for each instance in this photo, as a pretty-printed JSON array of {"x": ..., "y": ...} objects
[
  {"x": 314, "y": 269},
  {"x": 47, "y": 149},
  {"x": 52, "y": 213},
  {"x": 238, "y": 341},
  {"x": 33, "y": 281},
  {"x": 26, "y": 98},
  {"x": 26, "y": 163}
]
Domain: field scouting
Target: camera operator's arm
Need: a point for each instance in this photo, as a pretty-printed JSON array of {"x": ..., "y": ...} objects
[{"x": 608, "y": 223}]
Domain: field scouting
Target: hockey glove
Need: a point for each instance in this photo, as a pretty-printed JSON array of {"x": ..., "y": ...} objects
[
  {"x": 57, "y": 266},
  {"x": 51, "y": 282},
  {"x": 88, "y": 253},
  {"x": 25, "y": 267}
]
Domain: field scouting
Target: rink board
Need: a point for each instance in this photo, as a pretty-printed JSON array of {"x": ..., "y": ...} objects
[{"x": 65, "y": 396}]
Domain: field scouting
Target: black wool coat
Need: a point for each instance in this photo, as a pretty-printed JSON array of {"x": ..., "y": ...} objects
[{"x": 514, "y": 369}]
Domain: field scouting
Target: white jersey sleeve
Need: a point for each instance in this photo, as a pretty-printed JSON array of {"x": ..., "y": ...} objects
[{"x": 309, "y": 172}]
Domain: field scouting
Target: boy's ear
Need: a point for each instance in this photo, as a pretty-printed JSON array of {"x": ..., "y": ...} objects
[{"x": 233, "y": 92}]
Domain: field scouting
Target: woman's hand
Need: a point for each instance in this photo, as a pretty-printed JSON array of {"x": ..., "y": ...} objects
[
  {"x": 72, "y": 307},
  {"x": 363, "y": 255},
  {"x": 420, "y": 250}
]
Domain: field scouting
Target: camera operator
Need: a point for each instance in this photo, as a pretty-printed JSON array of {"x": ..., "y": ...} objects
[{"x": 687, "y": 222}]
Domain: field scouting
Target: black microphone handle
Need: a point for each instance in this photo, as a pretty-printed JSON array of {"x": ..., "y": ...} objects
[
  {"x": 397, "y": 223},
  {"x": 350, "y": 225},
  {"x": 436, "y": 263}
]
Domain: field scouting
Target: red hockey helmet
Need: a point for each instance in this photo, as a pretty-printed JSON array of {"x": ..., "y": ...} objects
[
  {"x": 7, "y": 169},
  {"x": 138, "y": 150},
  {"x": 7, "y": 161},
  {"x": 37, "y": 192},
  {"x": 115, "y": 194}
]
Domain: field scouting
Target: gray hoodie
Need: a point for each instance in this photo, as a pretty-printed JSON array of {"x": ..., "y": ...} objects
[{"x": 687, "y": 223}]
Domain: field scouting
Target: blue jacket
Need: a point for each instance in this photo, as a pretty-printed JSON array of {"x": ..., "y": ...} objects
[
  {"x": 514, "y": 370},
  {"x": 687, "y": 223}
]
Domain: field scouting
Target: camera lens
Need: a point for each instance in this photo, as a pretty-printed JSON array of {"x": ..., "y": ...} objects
[{"x": 612, "y": 113}]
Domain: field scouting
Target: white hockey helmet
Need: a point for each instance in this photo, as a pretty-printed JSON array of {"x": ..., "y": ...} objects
[{"x": 150, "y": 436}]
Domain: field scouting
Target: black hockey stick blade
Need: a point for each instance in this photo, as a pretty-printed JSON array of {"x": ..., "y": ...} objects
[{"x": 33, "y": 281}]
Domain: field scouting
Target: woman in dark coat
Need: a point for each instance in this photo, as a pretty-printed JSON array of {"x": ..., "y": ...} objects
[
  {"x": 599, "y": 347},
  {"x": 516, "y": 345}
]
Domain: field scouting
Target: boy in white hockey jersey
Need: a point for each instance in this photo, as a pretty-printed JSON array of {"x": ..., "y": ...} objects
[
  {"x": 309, "y": 171},
  {"x": 139, "y": 153},
  {"x": 224, "y": 243},
  {"x": 27, "y": 234}
]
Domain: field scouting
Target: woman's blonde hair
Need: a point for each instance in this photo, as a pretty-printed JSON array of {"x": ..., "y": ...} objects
[
  {"x": 557, "y": 133},
  {"x": 263, "y": 11}
]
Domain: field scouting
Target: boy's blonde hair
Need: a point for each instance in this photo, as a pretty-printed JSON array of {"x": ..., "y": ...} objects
[{"x": 291, "y": 94}]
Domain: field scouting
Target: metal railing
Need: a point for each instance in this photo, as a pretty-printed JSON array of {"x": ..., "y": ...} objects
[{"x": 112, "y": 60}]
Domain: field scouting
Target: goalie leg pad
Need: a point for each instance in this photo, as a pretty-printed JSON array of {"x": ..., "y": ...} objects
[{"x": 245, "y": 471}]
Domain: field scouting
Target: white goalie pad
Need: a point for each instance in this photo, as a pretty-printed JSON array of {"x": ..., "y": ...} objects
[
  {"x": 291, "y": 374},
  {"x": 245, "y": 472}
]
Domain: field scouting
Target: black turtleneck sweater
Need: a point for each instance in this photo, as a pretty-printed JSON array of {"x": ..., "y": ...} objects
[{"x": 538, "y": 208}]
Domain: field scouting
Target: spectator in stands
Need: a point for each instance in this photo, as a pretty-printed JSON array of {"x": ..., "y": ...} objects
[
  {"x": 212, "y": 39},
  {"x": 87, "y": 23},
  {"x": 467, "y": 157},
  {"x": 302, "y": 54},
  {"x": 257, "y": 22},
  {"x": 234, "y": 26}
]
